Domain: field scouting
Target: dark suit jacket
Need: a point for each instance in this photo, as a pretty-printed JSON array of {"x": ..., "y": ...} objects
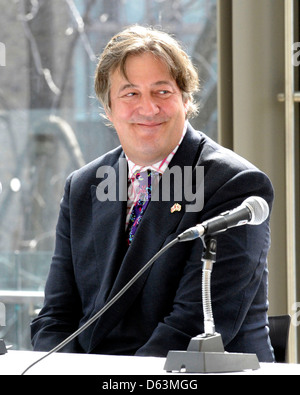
[{"x": 163, "y": 309}]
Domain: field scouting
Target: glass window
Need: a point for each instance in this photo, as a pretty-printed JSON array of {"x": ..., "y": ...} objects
[{"x": 50, "y": 121}]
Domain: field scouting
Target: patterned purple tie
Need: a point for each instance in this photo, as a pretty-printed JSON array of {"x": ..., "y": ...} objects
[{"x": 144, "y": 179}]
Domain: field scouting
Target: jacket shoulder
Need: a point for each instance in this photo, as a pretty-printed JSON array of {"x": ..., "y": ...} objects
[{"x": 87, "y": 173}]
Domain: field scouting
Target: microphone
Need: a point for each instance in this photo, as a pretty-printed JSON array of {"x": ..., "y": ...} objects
[{"x": 253, "y": 211}]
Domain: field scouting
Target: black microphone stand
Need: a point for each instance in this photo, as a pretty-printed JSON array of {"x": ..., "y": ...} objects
[{"x": 205, "y": 352}]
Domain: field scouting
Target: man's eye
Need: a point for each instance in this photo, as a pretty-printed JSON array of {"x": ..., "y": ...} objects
[
  {"x": 164, "y": 92},
  {"x": 130, "y": 94}
]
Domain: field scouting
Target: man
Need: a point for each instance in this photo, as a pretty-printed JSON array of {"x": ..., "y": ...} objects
[{"x": 146, "y": 83}]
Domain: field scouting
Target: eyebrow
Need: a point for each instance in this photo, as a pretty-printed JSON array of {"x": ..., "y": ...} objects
[
  {"x": 130, "y": 86},
  {"x": 126, "y": 86}
]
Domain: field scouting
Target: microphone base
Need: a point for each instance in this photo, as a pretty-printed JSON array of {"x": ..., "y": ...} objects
[
  {"x": 3, "y": 349},
  {"x": 205, "y": 354}
]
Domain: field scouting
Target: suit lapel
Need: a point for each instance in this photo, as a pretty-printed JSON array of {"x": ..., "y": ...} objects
[
  {"x": 109, "y": 230},
  {"x": 158, "y": 222}
]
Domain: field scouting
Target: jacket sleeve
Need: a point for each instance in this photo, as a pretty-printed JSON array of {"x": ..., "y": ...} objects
[{"x": 59, "y": 315}]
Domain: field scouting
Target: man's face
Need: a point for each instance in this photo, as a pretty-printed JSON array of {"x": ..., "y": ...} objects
[{"x": 147, "y": 109}]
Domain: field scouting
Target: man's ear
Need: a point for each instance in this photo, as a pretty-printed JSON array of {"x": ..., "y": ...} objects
[
  {"x": 186, "y": 105},
  {"x": 108, "y": 114}
]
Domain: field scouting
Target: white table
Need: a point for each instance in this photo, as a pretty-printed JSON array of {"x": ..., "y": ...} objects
[{"x": 15, "y": 362}]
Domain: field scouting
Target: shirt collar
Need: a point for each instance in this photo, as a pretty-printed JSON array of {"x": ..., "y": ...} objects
[{"x": 158, "y": 167}]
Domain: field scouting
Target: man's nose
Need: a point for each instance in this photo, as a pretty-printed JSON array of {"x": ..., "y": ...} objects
[{"x": 148, "y": 106}]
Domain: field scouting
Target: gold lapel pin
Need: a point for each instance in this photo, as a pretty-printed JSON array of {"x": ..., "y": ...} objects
[{"x": 176, "y": 207}]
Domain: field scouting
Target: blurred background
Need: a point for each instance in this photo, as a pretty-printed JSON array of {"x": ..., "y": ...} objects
[{"x": 50, "y": 123}]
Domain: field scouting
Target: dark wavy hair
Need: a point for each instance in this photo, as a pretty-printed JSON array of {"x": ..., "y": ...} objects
[{"x": 137, "y": 40}]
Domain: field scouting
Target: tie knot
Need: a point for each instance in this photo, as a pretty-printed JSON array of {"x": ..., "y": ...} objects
[
  {"x": 142, "y": 181},
  {"x": 141, "y": 176}
]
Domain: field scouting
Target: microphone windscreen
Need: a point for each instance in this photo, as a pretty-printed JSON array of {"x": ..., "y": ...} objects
[{"x": 259, "y": 209}]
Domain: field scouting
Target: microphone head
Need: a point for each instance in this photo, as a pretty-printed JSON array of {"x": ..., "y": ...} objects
[{"x": 259, "y": 209}]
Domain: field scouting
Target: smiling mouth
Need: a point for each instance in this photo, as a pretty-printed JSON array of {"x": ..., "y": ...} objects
[{"x": 150, "y": 125}]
